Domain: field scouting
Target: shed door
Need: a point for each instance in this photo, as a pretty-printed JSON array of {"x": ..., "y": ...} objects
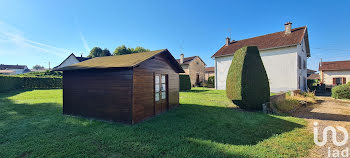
[{"x": 161, "y": 93}]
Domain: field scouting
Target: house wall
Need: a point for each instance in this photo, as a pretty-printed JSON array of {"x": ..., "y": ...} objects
[
  {"x": 185, "y": 68},
  {"x": 280, "y": 65},
  {"x": 208, "y": 74},
  {"x": 329, "y": 75},
  {"x": 302, "y": 73},
  {"x": 103, "y": 94},
  {"x": 196, "y": 67},
  {"x": 69, "y": 61},
  {"x": 143, "y": 92}
]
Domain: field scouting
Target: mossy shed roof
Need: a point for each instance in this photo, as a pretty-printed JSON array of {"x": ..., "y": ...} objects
[{"x": 122, "y": 61}]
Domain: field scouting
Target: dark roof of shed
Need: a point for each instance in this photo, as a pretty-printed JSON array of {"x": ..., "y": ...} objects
[
  {"x": 120, "y": 61},
  {"x": 273, "y": 40},
  {"x": 309, "y": 71},
  {"x": 335, "y": 65},
  {"x": 7, "y": 67}
]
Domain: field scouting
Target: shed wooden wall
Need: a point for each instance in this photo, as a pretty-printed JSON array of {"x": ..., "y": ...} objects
[
  {"x": 102, "y": 94},
  {"x": 143, "y": 91}
]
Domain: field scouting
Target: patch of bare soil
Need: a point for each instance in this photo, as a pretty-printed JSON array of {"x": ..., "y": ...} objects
[{"x": 327, "y": 112}]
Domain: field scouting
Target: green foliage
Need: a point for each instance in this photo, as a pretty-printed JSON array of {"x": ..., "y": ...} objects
[
  {"x": 42, "y": 74},
  {"x": 247, "y": 84},
  {"x": 121, "y": 50},
  {"x": 211, "y": 82},
  {"x": 8, "y": 83},
  {"x": 38, "y": 67},
  {"x": 98, "y": 52},
  {"x": 341, "y": 91},
  {"x": 185, "y": 82}
]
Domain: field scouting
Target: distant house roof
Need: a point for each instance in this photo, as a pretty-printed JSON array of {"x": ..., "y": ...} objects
[
  {"x": 9, "y": 67},
  {"x": 120, "y": 61},
  {"x": 335, "y": 65},
  {"x": 269, "y": 41},
  {"x": 209, "y": 69},
  {"x": 81, "y": 59},
  {"x": 309, "y": 71},
  {"x": 314, "y": 77},
  {"x": 188, "y": 60}
]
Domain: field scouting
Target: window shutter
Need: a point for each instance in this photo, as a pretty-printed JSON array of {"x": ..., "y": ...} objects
[
  {"x": 344, "y": 80},
  {"x": 334, "y": 81}
]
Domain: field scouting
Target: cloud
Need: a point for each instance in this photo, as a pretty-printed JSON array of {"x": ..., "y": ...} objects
[
  {"x": 86, "y": 46},
  {"x": 13, "y": 40}
]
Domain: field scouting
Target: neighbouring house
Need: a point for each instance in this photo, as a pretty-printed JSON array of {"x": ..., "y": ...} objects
[
  {"x": 124, "y": 88},
  {"x": 334, "y": 73},
  {"x": 309, "y": 72},
  {"x": 284, "y": 55},
  {"x": 13, "y": 69},
  {"x": 194, "y": 67},
  {"x": 70, "y": 60},
  {"x": 209, "y": 71},
  {"x": 314, "y": 77}
]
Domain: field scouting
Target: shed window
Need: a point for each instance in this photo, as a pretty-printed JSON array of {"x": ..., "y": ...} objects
[
  {"x": 163, "y": 87},
  {"x": 156, "y": 88}
]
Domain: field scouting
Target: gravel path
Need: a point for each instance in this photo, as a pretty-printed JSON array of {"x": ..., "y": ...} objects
[{"x": 327, "y": 112}]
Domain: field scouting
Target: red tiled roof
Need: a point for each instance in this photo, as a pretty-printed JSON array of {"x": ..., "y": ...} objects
[
  {"x": 335, "y": 65},
  {"x": 273, "y": 40},
  {"x": 314, "y": 77},
  {"x": 209, "y": 69},
  {"x": 186, "y": 60}
]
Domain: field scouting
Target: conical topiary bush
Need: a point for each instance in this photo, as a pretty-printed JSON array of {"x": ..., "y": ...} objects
[{"x": 247, "y": 84}]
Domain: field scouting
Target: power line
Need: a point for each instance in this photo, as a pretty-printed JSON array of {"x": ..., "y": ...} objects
[{"x": 332, "y": 49}]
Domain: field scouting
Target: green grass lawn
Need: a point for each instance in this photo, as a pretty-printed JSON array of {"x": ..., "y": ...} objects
[{"x": 206, "y": 124}]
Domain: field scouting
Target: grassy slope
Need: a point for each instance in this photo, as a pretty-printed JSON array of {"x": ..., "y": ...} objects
[{"x": 205, "y": 125}]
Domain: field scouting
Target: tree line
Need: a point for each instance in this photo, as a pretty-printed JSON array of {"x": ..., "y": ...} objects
[{"x": 120, "y": 50}]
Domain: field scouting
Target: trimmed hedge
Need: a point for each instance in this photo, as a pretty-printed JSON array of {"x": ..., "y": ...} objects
[
  {"x": 8, "y": 83},
  {"x": 185, "y": 82},
  {"x": 341, "y": 91},
  {"x": 247, "y": 84},
  {"x": 211, "y": 82}
]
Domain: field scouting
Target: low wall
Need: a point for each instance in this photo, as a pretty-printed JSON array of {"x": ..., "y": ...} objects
[
  {"x": 277, "y": 98},
  {"x": 269, "y": 108}
]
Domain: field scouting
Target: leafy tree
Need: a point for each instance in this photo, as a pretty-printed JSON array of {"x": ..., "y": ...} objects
[
  {"x": 106, "y": 52},
  {"x": 247, "y": 84},
  {"x": 38, "y": 67},
  {"x": 121, "y": 50}
]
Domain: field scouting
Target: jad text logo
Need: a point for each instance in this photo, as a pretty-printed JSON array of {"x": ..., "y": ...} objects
[{"x": 332, "y": 152}]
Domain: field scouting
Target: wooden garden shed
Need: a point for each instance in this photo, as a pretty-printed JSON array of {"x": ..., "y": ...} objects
[{"x": 125, "y": 88}]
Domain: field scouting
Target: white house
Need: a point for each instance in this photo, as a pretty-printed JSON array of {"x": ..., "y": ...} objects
[
  {"x": 334, "y": 73},
  {"x": 70, "y": 60},
  {"x": 13, "y": 69},
  {"x": 284, "y": 55}
]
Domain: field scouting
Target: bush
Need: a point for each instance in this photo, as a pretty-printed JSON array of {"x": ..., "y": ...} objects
[
  {"x": 211, "y": 82},
  {"x": 43, "y": 74},
  {"x": 18, "y": 82},
  {"x": 247, "y": 84},
  {"x": 185, "y": 82},
  {"x": 341, "y": 91}
]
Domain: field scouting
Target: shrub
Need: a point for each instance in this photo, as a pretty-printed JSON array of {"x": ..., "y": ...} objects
[
  {"x": 211, "y": 82},
  {"x": 247, "y": 84},
  {"x": 341, "y": 91},
  {"x": 17, "y": 82},
  {"x": 185, "y": 82}
]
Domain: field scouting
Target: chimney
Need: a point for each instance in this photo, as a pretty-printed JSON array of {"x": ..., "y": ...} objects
[
  {"x": 227, "y": 41},
  {"x": 288, "y": 28},
  {"x": 181, "y": 58}
]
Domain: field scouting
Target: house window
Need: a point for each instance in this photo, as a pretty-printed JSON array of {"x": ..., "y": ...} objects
[
  {"x": 299, "y": 82},
  {"x": 304, "y": 65},
  {"x": 305, "y": 84},
  {"x": 299, "y": 62},
  {"x": 339, "y": 80}
]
